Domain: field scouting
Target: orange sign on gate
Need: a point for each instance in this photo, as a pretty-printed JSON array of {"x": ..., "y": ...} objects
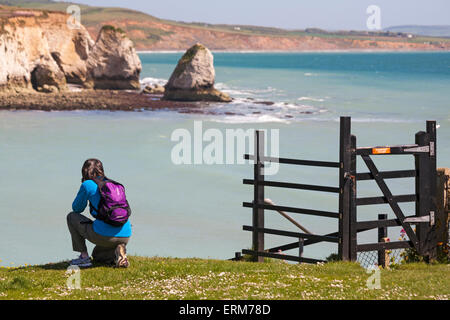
[{"x": 381, "y": 150}]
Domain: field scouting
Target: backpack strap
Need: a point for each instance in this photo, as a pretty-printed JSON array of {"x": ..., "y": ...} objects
[{"x": 100, "y": 183}]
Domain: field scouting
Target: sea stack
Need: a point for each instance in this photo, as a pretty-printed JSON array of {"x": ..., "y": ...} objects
[
  {"x": 193, "y": 78},
  {"x": 113, "y": 62}
]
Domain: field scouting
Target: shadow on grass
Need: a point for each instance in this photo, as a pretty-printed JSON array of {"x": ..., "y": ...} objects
[{"x": 63, "y": 265}]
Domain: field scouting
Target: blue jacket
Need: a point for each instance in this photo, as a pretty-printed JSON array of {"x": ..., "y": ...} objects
[{"x": 89, "y": 191}]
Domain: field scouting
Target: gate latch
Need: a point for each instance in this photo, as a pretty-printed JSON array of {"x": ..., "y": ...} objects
[{"x": 429, "y": 218}]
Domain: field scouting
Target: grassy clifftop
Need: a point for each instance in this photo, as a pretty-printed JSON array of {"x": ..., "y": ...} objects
[{"x": 167, "y": 278}]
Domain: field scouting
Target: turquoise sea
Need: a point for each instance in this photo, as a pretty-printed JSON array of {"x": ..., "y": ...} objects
[{"x": 196, "y": 210}]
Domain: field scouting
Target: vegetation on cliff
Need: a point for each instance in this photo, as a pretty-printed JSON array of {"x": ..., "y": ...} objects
[{"x": 109, "y": 27}]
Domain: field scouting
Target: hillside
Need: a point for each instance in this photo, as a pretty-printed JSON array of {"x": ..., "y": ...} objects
[
  {"x": 433, "y": 31},
  {"x": 151, "y": 33},
  {"x": 197, "y": 279}
]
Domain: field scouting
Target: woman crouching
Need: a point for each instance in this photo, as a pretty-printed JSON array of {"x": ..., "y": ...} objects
[{"x": 111, "y": 229}]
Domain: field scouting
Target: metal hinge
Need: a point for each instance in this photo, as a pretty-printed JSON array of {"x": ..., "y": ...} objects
[
  {"x": 423, "y": 149},
  {"x": 422, "y": 219}
]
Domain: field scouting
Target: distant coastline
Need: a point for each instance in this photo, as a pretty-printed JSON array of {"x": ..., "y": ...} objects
[
  {"x": 298, "y": 51},
  {"x": 150, "y": 33}
]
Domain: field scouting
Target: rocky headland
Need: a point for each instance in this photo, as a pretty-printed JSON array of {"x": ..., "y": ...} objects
[{"x": 47, "y": 64}]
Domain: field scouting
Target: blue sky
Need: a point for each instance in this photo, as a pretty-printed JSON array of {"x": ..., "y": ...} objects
[{"x": 292, "y": 14}]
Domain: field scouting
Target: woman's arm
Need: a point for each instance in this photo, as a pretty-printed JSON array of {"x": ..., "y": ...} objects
[{"x": 80, "y": 202}]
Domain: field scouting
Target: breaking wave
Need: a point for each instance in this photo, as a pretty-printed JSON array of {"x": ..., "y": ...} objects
[
  {"x": 149, "y": 80},
  {"x": 251, "y": 105}
]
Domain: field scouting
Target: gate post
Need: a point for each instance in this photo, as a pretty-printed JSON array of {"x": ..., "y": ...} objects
[
  {"x": 422, "y": 187},
  {"x": 430, "y": 246},
  {"x": 344, "y": 190},
  {"x": 258, "y": 197},
  {"x": 443, "y": 211},
  {"x": 426, "y": 181},
  {"x": 382, "y": 235},
  {"x": 353, "y": 192}
]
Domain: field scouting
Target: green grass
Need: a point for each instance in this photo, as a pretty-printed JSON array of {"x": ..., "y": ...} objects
[
  {"x": 112, "y": 28},
  {"x": 169, "y": 278}
]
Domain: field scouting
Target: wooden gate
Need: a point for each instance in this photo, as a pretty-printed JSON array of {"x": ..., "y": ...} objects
[
  {"x": 425, "y": 174},
  {"x": 423, "y": 239}
]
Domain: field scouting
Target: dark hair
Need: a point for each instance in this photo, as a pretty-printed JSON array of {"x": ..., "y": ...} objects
[{"x": 92, "y": 168}]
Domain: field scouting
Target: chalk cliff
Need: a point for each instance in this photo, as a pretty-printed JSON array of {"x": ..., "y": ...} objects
[{"x": 40, "y": 48}]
